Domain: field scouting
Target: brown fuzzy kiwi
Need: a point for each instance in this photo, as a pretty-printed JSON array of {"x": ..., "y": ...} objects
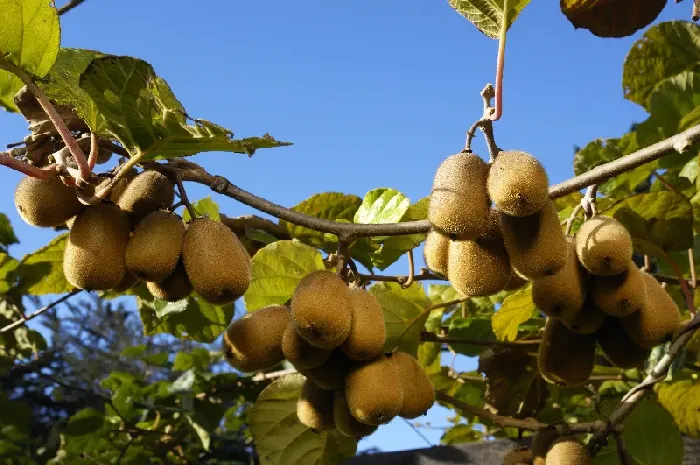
[
  {"x": 120, "y": 186},
  {"x": 620, "y": 295},
  {"x": 618, "y": 347},
  {"x": 300, "y": 353},
  {"x": 541, "y": 442},
  {"x": 459, "y": 202},
  {"x": 604, "y": 246},
  {"x": 94, "y": 255},
  {"x": 518, "y": 183},
  {"x": 345, "y": 423},
  {"x": 46, "y": 202},
  {"x": 518, "y": 457},
  {"x": 536, "y": 244},
  {"x": 154, "y": 248},
  {"x": 563, "y": 294},
  {"x": 367, "y": 333},
  {"x": 587, "y": 321},
  {"x": 435, "y": 252},
  {"x": 418, "y": 390},
  {"x": 331, "y": 374},
  {"x": 657, "y": 321},
  {"x": 374, "y": 392},
  {"x": 216, "y": 262},
  {"x": 254, "y": 342},
  {"x": 566, "y": 358},
  {"x": 322, "y": 309},
  {"x": 567, "y": 450},
  {"x": 173, "y": 288},
  {"x": 147, "y": 192},
  {"x": 516, "y": 282},
  {"x": 315, "y": 407},
  {"x": 480, "y": 267}
]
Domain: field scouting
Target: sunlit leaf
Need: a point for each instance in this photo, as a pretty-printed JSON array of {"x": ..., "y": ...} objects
[
  {"x": 516, "y": 309},
  {"x": 487, "y": 15},
  {"x": 41, "y": 272},
  {"x": 205, "y": 207},
  {"x": 381, "y": 206},
  {"x": 682, "y": 399}
]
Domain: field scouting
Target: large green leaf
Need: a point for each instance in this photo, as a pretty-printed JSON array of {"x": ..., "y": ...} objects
[
  {"x": 277, "y": 269},
  {"x": 651, "y": 436},
  {"x": 205, "y": 207},
  {"x": 516, "y": 309},
  {"x": 665, "y": 50},
  {"x": 9, "y": 86},
  {"x": 405, "y": 314},
  {"x": 61, "y": 85},
  {"x": 280, "y": 439},
  {"x": 7, "y": 234},
  {"x": 193, "y": 318},
  {"x": 487, "y": 15},
  {"x": 470, "y": 328},
  {"x": 41, "y": 272},
  {"x": 7, "y": 266},
  {"x": 145, "y": 116},
  {"x": 394, "y": 247},
  {"x": 327, "y": 205},
  {"x": 663, "y": 219},
  {"x": 682, "y": 399},
  {"x": 429, "y": 353},
  {"x": 381, "y": 206}
]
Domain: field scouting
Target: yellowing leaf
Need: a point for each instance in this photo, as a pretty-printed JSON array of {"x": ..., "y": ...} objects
[
  {"x": 682, "y": 399},
  {"x": 517, "y": 308}
]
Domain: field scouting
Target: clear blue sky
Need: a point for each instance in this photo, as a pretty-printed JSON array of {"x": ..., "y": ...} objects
[{"x": 372, "y": 93}]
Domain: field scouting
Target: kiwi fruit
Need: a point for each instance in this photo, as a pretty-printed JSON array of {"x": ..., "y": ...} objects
[
  {"x": 173, "y": 288},
  {"x": 94, "y": 255},
  {"x": 322, "y": 309},
  {"x": 345, "y": 423},
  {"x": 541, "y": 442},
  {"x": 216, "y": 262},
  {"x": 618, "y": 347},
  {"x": 604, "y": 246},
  {"x": 515, "y": 282},
  {"x": 46, "y": 202},
  {"x": 315, "y": 407},
  {"x": 300, "y": 353},
  {"x": 587, "y": 321},
  {"x": 567, "y": 450},
  {"x": 367, "y": 333},
  {"x": 374, "y": 391},
  {"x": 459, "y": 203},
  {"x": 254, "y": 342},
  {"x": 562, "y": 294},
  {"x": 480, "y": 267},
  {"x": 565, "y": 358},
  {"x": 147, "y": 192},
  {"x": 331, "y": 374},
  {"x": 518, "y": 457},
  {"x": 155, "y": 245},
  {"x": 518, "y": 183},
  {"x": 536, "y": 243},
  {"x": 657, "y": 320},
  {"x": 418, "y": 390},
  {"x": 120, "y": 186},
  {"x": 435, "y": 252},
  {"x": 620, "y": 295}
]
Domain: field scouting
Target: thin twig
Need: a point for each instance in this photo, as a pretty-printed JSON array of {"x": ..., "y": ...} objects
[
  {"x": 30, "y": 170},
  {"x": 184, "y": 199},
  {"x": 273, "y": 375},
  {"x": 411, "y": 273},
  {"x": 424, "y": 275},
  {"x": 37, "y": 313},
  {"x": 620, "y": 446},
  {"x": 572, "y": 218},
  {"x": 415, "y": 430},
  {"x": 691, "y": 263},
  {"x": 427, "y": 336},
  {"x": 69, "y": 6}
]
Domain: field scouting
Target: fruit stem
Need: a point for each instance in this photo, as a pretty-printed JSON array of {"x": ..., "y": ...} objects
[
  {"x": 411, "y": 273},
  {"x": 500, "y": 64},
  {"x": 30, "y": 170},
  {"x": 94, "y": 150},
  {"x": 183, "y": 197}
]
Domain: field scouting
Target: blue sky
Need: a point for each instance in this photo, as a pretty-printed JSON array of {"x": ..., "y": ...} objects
[{"x": 372, "y": 93}]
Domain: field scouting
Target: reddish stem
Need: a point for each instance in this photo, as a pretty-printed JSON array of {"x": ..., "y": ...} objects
[{"x": 30, "y": 170}]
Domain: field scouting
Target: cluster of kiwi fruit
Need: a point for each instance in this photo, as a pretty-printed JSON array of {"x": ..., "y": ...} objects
[
  {"x": 132, "y": 236},
  {"x": 334, "y": 335},
  {"x": 548, "y": 448},
  {"x": 494, "y": 227}
]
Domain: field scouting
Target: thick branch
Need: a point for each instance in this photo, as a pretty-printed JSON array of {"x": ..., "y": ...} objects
[
  {"x": 426, "y": 336},
  {"x": 37, "y": 313}
]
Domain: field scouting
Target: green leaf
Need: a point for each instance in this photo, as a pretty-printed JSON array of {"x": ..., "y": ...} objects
[
  {"x": 394, "y": 247},
  {"x": 381, "y": 206},
  {"x": 460, "y": 434},
  {"x": 84, "y": 422},
  {"x": 470, "y": 328},
  {"x": 663, "y": 219},
  {"x": 405, "y": 314},
  {"x": 280, "y": 439},
  {"x": 665, "y": 50},
  {"x": 198, "y": 359},
  {"x": 9, "y": 86},
  {"x": 277, "y": 269},
  {"x": 61, "y": 85},
  {"x": 15, "y": 413},
  {"x": 682, "y": 400},
  {"x": 30, "y": 34},
  {"x": 691, "y": 169},
  {"x": 7, "y": 234},
  {"x": 145, "y": 116},
  {"x": 517, "y": 308},
  {"x": 202, "y": 433},
  {"x": 327, "y": 205},
  {"x": 41, "y": 272},
  {"x": 651, "y": 436},
  {"x": 205, "y": 207},
  {"x": 183, "y": 383},
  {"x": 442, "y": 293},
  {"x": 7, "y": 266},
  {"x": 487, "y": 15},
  {"x": 429, "y": 353},
  {"x": 198, "y": 320}
]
